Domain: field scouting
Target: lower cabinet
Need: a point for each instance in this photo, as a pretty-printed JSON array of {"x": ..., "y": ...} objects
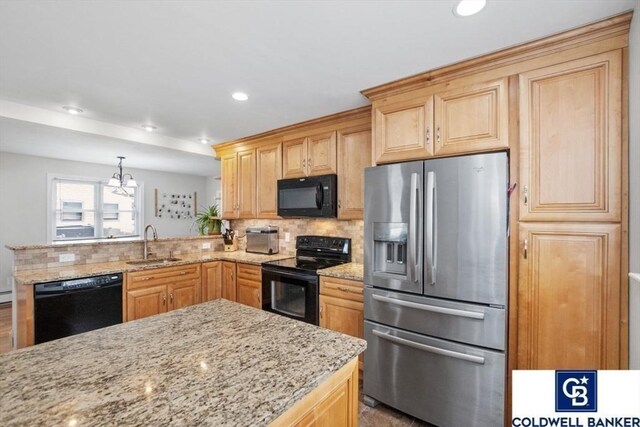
[
  {"x": 342, "y": 307},
  {"x": 160, "y": 290},
  {"x": 229, "y": 280},
  {"x": 211, "y": 280},
  {"x": 249, "y": 285}
]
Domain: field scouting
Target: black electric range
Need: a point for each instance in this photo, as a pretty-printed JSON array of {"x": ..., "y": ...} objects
[{"x": 290, "y": 286}]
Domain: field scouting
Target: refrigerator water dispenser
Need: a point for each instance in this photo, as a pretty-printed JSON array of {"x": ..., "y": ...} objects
[{"x": 390, "y": 247}]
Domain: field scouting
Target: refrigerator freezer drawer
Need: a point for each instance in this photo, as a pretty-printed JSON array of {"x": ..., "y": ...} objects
[
  {"x": 469, "y": 323},
  {"x": 443, "y": 383}
]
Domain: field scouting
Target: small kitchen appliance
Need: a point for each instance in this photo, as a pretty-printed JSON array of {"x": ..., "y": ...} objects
[
  {"x": 262, "y": 240},
  {"x": 311, "y": 196}
]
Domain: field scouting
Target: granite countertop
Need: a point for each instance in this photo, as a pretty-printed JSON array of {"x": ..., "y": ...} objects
[
  {"x": 217, "y": 363},
  {"x": 30, "y": 277},
  {"x": 351, "y": 271}
]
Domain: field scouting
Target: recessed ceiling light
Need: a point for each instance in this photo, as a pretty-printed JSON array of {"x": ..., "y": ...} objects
[
  {"x": 469, "y": 7},
  {"x": 240, "y": 96},
  {"x": 204, "y": 140},
  {"x": 72, "y": 110},
  {"x": 149, "y": 128}
]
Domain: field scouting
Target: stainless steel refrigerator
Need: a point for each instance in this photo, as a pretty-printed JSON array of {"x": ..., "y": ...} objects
[{"x": 435, "y": 271}]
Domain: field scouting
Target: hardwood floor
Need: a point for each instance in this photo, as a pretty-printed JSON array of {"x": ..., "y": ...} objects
[{"x": 5, "y": 328}]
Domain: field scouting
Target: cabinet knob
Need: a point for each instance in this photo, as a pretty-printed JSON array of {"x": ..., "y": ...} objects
[
  {"x": 304, "y": 163},
  {"x": 309, "y": 162},
  {"x": 525, "y": 192},
  {"x": 164, "y": 299},
  {"x": 339, "y": 204},
  {"x": 427, "y": 136},
  {"x": 171, "y": 298},
  {"x": 438, "y": 134},
  {"x": 526, "y": 247}
]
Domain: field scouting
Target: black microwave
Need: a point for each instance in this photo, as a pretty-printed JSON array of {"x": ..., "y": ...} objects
[{"x": 312, "y": 196}]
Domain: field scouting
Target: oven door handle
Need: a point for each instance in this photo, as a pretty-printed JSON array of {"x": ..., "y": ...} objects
[
  {"x": 299, "y": 276},
  {"x": 319, "y": 195}
]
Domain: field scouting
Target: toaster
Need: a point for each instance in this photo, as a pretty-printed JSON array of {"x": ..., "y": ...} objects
[{"x": 262, "y": 240}]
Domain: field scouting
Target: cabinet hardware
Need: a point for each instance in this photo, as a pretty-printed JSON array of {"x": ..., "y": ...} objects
[
  {"x": 309, "y": 162},
  {"x": 182, "y": 273},
  {"x": 164, "y": 299},
  {"x": 321, "y": 313},
  {"x": 340, "y": 288},
  {"x": 147, "y": 278},
  {"x": 171, "y": 298},
  {"x": 526, "y": 247},
  {"x": 339, "y": 204},
  {"x": 438, "y": 134},
  {"x": 525, "y": 190},
  {"x": 427, "y": 136},
  {"x": 304, "y": 163}
]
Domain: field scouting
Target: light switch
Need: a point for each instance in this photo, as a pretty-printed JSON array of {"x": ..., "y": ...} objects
[
  {"x": 287, "y": 237},
  {"x": 67, "y": 257},
  {"x": 206, "y": 245}
]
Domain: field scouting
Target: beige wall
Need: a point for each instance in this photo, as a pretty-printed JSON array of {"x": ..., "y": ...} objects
[{"x": 23, "y": 217}]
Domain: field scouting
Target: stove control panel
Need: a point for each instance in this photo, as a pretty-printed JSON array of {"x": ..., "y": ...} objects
[{"x": 324, "y": 244}]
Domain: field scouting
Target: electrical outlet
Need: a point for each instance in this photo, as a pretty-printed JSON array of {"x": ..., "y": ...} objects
[
  {"x": 67, "y": 257},
  {"x": 206, "y": 245},
  {"x": 287, "y": 237}
]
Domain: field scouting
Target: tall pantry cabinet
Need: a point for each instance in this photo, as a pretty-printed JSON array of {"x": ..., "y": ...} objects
[
  {"x": 569, "y": 301},
  {"x": 558, "y": 107}
]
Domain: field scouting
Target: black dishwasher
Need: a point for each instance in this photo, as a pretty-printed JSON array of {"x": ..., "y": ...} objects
[{"x": 71, "y": 307}]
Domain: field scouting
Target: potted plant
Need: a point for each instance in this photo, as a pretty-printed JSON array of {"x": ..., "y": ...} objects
[{"x": 208, "y": 221}]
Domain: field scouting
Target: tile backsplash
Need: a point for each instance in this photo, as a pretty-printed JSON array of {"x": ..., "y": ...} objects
[
  {"x": 353, "y": 229},
  {"x": 48, "y": 256}
]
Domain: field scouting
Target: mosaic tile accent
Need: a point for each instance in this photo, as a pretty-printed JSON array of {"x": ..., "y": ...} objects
[{"x": 353, "y": 229}]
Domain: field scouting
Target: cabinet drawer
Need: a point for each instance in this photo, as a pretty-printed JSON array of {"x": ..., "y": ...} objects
[
  {"x": 342, "y": 288},
  {"x": 249, "y": 272},
  {"x": 161, "y": 276}
]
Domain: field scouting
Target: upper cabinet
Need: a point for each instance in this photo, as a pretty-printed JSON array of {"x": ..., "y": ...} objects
[
  {"x": 570, "y": 140},
  {"x": 403, "y": 129},
  {"x": 469, "y": 119},
  {"x": 307, "y": 156},
  {"x": 269, "y": 171},
  {"x": 239, "y": 185},
  {"x": 354, "y": 146}
]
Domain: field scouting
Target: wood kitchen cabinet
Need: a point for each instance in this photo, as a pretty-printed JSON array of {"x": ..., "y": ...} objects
[
  {"x": 159, "y": 290},
  {"x": 269, "y": 171},
  {"x": 238, "y": 176},
  {"x": 249, "y": 285},
  {"x": 342, "y": 307},
  {"x": 354, "y": 144},
  {"x": 469, "y": 119},
  {"x": 569, "y": 296},
  {"x": 570, "y": 140},
  {"x": 211, "y": 280},
  {"x": 312, "y": 155},
  {"x": 229, "y": 280}
]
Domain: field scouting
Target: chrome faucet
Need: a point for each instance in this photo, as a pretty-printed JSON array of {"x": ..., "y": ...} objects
[{"x": 146, "y": 241}]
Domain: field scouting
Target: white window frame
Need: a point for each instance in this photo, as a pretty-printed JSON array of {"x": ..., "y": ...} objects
[{"x": 51, "y": 208}]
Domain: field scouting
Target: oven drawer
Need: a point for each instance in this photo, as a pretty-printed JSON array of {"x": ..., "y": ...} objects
[
  {"x": 469, "y": 323},
  {"x": 444, "y": 383}
]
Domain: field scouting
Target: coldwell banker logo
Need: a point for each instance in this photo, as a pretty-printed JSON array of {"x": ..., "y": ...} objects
[{"x": 576, "y": 391}]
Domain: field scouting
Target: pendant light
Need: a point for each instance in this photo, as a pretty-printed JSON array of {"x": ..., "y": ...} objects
[{"x": 120, "y": 181}]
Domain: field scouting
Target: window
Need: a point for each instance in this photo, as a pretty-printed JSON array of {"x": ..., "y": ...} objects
[
  {"x": 86, "y": 208},
  {"x": 71, "y": 211}
]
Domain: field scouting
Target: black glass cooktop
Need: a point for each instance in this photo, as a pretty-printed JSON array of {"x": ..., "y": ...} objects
[{"x": 304, "y": 263}]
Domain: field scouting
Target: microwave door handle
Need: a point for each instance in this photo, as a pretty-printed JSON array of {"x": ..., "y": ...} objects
[{"x": 319, "y": 196}]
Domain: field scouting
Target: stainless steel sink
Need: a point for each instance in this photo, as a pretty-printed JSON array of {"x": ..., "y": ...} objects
[{"x": 153, "y": 261}]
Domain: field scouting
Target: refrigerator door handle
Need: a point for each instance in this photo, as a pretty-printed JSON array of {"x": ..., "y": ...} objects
[
  {"x": 436, "y": 350},
  {"x": 432, "y": 308},
  {"x": 430, "y": 226},
  {"x": 414, "y": 220}
]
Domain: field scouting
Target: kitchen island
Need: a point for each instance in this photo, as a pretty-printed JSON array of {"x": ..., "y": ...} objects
[{"x": 217, "y": 363}]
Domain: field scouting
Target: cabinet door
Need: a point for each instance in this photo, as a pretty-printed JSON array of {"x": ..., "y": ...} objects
[
  {"x": 343, "y": 315},
  {"x": 269, "y": 167},
  {"x": 294, "y": 158},
  {"x": 247, "y": 184},
  {"x": 249, "y": 293},
  {"x": 211, "y": 280},
  {"x": 229, "y": 174},
  {"x": 321, "y": 154},
  {"x": 570, "y": 142},
  {"x": 183, "y": 294},
  {"x": 403, "y": 130},
  {"x": 354, "y": 146},
  {"x": 475, "y": 118},
  {"x": 332, "y": 411},
  {"x": 146, "y": 302},
  {"x": 569, "y": 296},
  {"x": 229, "y": 280}
]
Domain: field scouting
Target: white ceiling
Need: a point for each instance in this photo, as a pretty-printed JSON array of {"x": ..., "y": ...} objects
[{"x": 176, "y": 63}]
